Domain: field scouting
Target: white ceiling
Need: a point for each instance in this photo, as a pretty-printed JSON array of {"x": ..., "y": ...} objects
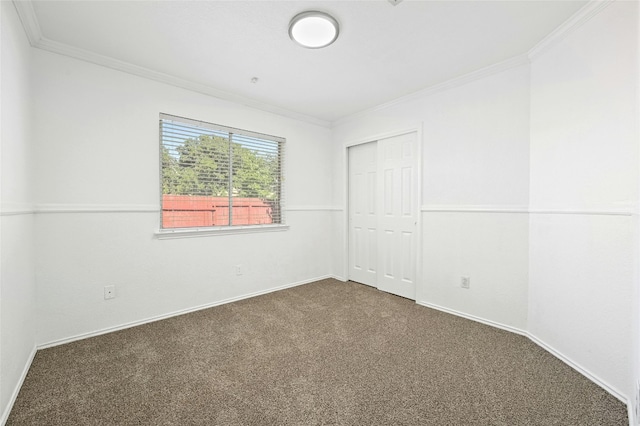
[{"x": 383, "y": 52}]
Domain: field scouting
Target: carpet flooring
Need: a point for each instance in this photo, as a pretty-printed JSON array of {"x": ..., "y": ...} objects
[{"x": 325, "y": 353}]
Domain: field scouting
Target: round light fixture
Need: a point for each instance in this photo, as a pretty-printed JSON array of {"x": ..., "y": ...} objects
[{"x": 313, "y": 29}]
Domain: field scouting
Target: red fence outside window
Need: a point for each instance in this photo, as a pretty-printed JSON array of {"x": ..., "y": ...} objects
[{"x": 186, "y": 211}]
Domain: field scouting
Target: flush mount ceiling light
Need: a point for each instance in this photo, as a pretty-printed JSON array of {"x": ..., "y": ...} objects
[{"x": 313, "y": 29}]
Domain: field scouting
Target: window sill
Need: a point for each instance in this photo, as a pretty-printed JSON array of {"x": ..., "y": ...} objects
[{"x": 165, "y": 234}]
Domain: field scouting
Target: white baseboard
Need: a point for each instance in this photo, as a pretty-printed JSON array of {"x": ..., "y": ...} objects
[
  {"x": 576, "y": 366},
  {"x": 339, "y": 278},
  {"x": 473, "y": 318},
  {"x": 580, "y": 369},
  {"x": 571, "y": 363},
  {"x": 175, "y": 313},
  {"x": 16, "y": 390}
]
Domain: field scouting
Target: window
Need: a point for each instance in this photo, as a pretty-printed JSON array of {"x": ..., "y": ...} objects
[{"x": 217, "y": 176}]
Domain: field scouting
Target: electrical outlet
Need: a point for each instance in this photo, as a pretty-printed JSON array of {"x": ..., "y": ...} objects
[
  {"x": 465, "y": 282},
  {"x": 238, "y": 269},
  {"x": 109, "y": 292}
]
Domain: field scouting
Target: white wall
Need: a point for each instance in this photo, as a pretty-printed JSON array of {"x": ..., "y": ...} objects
[
  {"x": 97, "y": 141},
  {"x": 529, "y": 187},
  {"x": 17, "y": 279},
  {"x": 475, "y": 180},
  {"x": 584, "y": 160},
  {"x": 559, "y": 137}
]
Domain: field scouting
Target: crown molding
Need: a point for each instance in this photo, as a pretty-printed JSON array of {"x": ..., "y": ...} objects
[
  {"x": 106, "y": 61},
  {"x": 582, "y": 16},
  {"x": 591, "y": 9},
  {"x": 32, "y": 28},
  {"x": 29, "y": 21},
  {"x": 445, "y": 85}
]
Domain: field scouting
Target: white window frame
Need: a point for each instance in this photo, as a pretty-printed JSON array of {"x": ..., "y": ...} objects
[{"x": 190, "y": 232}]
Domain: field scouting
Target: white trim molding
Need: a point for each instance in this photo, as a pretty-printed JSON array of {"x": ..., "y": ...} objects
[
  {"x": 389, "y": 134},
  {"x": 38, "y": 40},
  {"x": 582, "y": 16},
  {"x": 176, "y": 313},
  {"x": 580, "y": 369},
  {"x": 168, "y": 234},
  {"x": 520, "y": 209},
  {"x": 496, "y": 68},
  {"x": 312, "y": 208},
  {"x": 96, "y": 208},
  {"x": 15, "y": 211},
  {"x": 16, "y": 390},
  {"x": 571, "y": 363},
  {"x": 34, "y": 33},
  {"x": 144, "y": 208},
  {"x": 591, "y": 9},
  {"x": 586, "y": 212},
  {"x": 125, "y": 208},
  {"x": 29, "y": 21},
  {"x": 450, "y": 208},
  {"x": 427, "y": 208},
  {"x": 473, "y": 318}
]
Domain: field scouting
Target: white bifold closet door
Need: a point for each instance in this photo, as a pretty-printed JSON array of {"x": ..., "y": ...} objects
[
  {"x": 363, "y": 214},
  {"x": 383, "y": 214}
]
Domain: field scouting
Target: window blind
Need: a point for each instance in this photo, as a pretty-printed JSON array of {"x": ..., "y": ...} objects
[{"x": 213, "y": 175}]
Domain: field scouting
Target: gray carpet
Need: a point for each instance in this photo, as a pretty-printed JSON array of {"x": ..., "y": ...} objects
[{"x": 326, "y": 353}]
